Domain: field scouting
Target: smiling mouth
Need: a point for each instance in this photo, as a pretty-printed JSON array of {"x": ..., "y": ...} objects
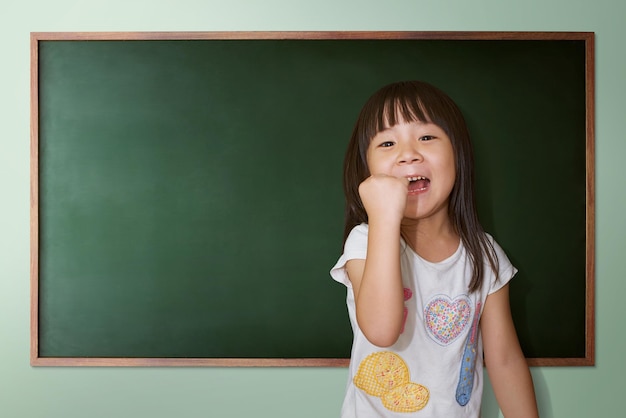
[{"x": 418, "y": 184}]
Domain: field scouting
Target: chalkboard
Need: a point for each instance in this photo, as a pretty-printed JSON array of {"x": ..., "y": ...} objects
[{"x": 186, "y": 187}]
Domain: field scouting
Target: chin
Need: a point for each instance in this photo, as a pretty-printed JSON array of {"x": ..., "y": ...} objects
[{"x": 414, "y": 214}]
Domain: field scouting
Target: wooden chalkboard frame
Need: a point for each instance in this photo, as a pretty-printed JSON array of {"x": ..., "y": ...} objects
[{"x": 588, "y": 39}]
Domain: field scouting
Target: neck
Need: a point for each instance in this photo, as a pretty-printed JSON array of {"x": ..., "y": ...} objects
[{"x": 433, "y": 239}]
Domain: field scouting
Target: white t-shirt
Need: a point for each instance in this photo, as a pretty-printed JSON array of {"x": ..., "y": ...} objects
[{"x": 435, "y": 369}]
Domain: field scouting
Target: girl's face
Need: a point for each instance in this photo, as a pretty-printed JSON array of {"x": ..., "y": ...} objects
[{"x": 421, "y": 152}]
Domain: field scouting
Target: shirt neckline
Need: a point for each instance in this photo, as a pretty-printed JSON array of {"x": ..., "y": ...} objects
[{"x": 438, "y": 264}]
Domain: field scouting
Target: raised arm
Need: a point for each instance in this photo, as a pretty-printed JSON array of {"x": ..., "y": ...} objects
[
  {"x": 504, "y": 359},
  {"x": 377, "y": 280}
]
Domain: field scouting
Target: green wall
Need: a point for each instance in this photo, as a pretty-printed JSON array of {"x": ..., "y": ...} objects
[{"x": 292, "y": 392}]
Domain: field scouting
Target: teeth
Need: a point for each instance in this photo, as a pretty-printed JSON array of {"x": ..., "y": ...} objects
[{"x": 416, "y": 178}]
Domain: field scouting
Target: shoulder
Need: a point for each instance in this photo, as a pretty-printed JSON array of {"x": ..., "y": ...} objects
[
  {"x": 496, "y": 247},
  {"x": 360, "y": 230},
  {"x": 354, "y": 248},
  {"x": 506, "y": 269},
  {"x": 357, "y": 239}
]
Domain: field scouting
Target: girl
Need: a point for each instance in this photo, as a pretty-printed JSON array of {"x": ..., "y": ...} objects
[{"x": 427, "y": 287}]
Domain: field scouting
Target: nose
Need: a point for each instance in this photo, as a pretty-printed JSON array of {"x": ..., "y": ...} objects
[{"x": 409, "y": 154}]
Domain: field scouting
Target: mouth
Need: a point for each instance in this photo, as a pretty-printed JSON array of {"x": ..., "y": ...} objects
[{"x": 418, "y": 184}]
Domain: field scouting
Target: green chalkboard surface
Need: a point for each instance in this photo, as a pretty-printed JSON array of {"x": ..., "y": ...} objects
[{"x": 187, "y": 199}]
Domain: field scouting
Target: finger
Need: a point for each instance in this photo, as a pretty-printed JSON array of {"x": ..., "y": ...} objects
[{"x": 404, "y": 180}]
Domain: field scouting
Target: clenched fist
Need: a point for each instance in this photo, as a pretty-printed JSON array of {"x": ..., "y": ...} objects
[{"x": 384, "y": 197}]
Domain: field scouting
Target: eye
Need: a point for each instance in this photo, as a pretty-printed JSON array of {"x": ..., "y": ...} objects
[
  {"x": 427, "y": 137},
  {"x": 386, "y": 144}
]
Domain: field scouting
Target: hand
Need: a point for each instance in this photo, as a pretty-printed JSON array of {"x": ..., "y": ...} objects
[{"x": 384, "y": 197}]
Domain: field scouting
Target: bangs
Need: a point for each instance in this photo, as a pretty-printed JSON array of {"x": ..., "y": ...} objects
[
  {"x": 401, "y": 110},
  {"x": 398, "y": 103}
]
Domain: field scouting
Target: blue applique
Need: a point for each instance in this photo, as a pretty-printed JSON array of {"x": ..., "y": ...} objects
[{"x": 468, "y": 363}]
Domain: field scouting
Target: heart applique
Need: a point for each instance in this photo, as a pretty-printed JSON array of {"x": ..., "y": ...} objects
[{"x": 446, "y": 318}]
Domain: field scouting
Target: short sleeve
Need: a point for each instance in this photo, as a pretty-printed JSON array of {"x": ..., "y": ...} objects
[
  {"x": 354, "y": 248},
  {"x": 506, "y": 270}
]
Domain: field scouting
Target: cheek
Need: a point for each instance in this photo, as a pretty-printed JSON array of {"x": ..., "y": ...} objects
[
  {"x": 375, "y": 165},
  {"x": 452, "y": 173},
  {"x": 448, "y": 173},
  {"x": 451, "y": 163}
]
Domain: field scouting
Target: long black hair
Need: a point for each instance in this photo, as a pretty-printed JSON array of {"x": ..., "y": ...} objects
[{"x": 419, "y": 101}]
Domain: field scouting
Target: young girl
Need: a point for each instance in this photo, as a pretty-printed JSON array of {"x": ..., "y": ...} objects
[{"x": 427, "y": 287}]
